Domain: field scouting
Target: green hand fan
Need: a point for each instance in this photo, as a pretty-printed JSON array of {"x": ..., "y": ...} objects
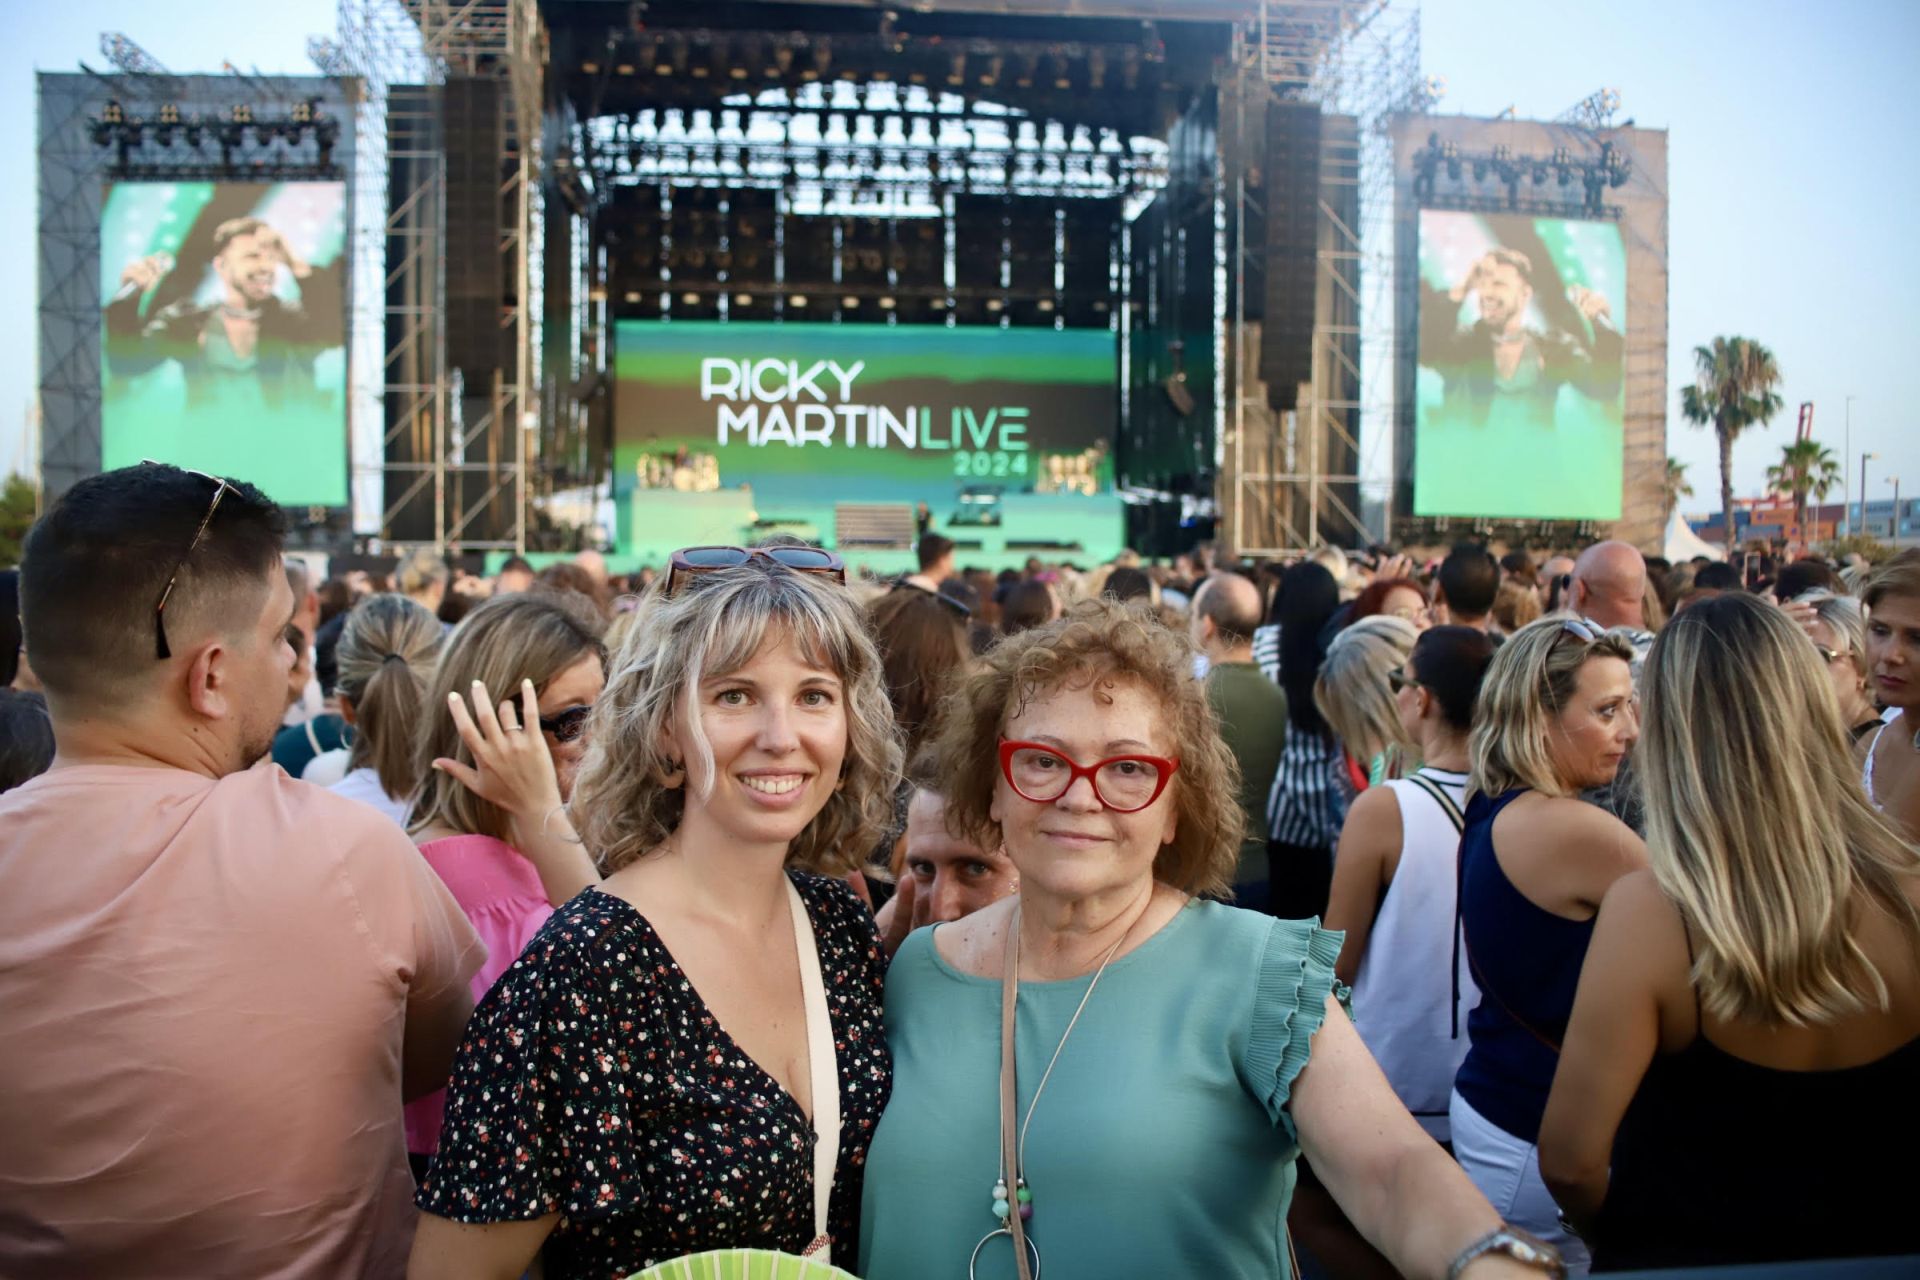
[{"x": 742, "y": 1264}]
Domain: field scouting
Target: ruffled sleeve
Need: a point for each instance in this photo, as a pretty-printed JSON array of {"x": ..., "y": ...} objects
[{"x": 1290, "y": 1002}]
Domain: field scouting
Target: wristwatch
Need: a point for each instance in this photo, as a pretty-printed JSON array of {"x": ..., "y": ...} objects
[{"x": 1528, "y": 1251}]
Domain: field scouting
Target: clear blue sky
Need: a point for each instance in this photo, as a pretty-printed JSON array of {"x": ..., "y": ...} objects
[{"x": 1794, "y": 173}]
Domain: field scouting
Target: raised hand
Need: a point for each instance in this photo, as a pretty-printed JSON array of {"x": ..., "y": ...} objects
[
  {"x": 1590, "y": 304},
  {"x": 512, "y": 767},
  {"x": 146, "y": 272}
]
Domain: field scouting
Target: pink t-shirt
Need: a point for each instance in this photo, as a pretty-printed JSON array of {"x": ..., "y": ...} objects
[
  {"x": 203, "y": 990},
  {"x": 501, "y": 893}
]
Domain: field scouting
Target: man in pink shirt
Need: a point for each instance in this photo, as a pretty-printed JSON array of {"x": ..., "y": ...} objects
[{"x": 217, "y": 984}]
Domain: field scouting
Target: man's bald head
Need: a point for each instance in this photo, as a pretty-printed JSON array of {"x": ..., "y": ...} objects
[
  {"x": 1610, "y": 584},
  {"x": 1225, "y": 612}
]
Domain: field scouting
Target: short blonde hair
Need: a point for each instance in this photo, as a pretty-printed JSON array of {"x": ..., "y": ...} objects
[
  {"x": 1352, "y": 691},
  {"x": 1531, "y": 679},
  {"x": 622, "y": 805},
  {"x": 1771, "y": 878},
  {"x": 1899, "y": 576},
  {"x": 1843, "y": 617},
  {"x": 1097, "y": 640}
]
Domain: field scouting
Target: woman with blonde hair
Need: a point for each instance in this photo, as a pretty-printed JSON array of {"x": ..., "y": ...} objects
[
  {"x": 490, "y": 817},
  {"x": 688, "y": 1056},
  {"x": 1556, "y": 716},
  {"x": 1355, "y": 698},
  {"x": 1838, "y": 630},
  {"x": 1765, "y": 971},
  {"x": 1124, "y": 1070},
  {"x": 1892, "y": 774},
  {"x": 387, "y": 650}
]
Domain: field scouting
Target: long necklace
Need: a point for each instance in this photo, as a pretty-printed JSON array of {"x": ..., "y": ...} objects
[{"x": 1017, "y": 1205}]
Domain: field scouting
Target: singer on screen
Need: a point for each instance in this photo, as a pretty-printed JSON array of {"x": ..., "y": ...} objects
[
  {"x": 1499, "y": 365},
  {"x": 253, "y": 345}
]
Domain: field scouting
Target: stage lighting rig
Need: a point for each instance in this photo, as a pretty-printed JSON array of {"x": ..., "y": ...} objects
[
  {"x": 1608, "y": 169},
  {"x": 237, "y": 132}
]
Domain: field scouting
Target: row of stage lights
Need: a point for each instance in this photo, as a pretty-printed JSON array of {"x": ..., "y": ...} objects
[
  {"x": 114, "y": 127},
  {"x": 1609, "y": 169}
]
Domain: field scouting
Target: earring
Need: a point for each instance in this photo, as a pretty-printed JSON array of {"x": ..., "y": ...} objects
[{"x": 675, "y": 776}]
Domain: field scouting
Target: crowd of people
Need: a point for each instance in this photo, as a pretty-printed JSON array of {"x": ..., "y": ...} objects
[{"x": 958, "y": 925}]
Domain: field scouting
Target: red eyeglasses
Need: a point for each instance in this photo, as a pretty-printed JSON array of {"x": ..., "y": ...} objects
[{"x": 1124, "y": 784}]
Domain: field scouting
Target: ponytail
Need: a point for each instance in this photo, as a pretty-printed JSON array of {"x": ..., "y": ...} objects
[{"x": 385, "y": 651}]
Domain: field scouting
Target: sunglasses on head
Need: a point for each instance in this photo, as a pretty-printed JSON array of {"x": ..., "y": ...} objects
[
  {"x": 220, "y": 487},
  {"x": 1401, "y": 681},
  {"x": 567, "y": 725},
  {"x": 957, "y": 607},
  {"x": 690, "y": 562}
]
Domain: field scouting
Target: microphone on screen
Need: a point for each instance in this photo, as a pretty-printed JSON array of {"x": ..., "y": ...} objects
[{"x": 130, "y": 289}]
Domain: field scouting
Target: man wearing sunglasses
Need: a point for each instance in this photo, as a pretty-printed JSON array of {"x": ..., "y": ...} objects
[{"x": 216, "y": 983}]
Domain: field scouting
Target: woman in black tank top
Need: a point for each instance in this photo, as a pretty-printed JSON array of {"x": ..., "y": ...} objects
[{"x": 1783, "y": 927}]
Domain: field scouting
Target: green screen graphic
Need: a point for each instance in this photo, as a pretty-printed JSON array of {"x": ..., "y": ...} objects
[
  {"x": 223, "y": 332},
  {"x": 1519, "y": 407},
  {"x": 802, "y": 417}
]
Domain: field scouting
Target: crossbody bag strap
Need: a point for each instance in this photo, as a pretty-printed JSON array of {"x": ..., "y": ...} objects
[
  {"x": 824, "y": 1072},
  {"x": 1466, "y": 944}
]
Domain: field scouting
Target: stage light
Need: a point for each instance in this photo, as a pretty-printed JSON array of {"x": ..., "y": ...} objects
[
  {"x": 690, "y": 299},
  {"x": 303, "y": 112},
  {"x": 887, "y": 304},
  {"x": 797, "y": 300},
  {"x": 994, "y": 304},
  {"x": 242, "y": 114},
  {"x": 850, "y": 302},
  {"x": 742, "y": 299},
  {"x": 170, "y": 113},
  {"x": 1046, "y": 304},
  {"x": 624, "y": 69},
  {"x": 591, "y": 68},
  {"x": 663, "y": 69},
  {"x": 114, "y": 114},
  {"x": 632, "y": 295},
  {"x": 957, "y": 70}
]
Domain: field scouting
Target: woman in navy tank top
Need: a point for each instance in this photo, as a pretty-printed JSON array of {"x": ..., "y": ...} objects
[
  {"x": 1746, "y": 1039},
  {"x": 1557, "y": 715}
]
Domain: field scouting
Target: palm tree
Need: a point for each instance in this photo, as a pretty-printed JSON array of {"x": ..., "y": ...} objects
[
  {"x": 1806, "y": 467},
  {"x": 1674, "y": 489},
  {"x": 1733, "y": 389}
]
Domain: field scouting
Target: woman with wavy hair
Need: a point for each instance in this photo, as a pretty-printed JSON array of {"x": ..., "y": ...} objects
[
  {"x": 1556, "y": 717},
  {"x": 1746, "y": 1038},
  {"x": 1123, "y": 1070},
  {"x": 688, "y": 1056}
]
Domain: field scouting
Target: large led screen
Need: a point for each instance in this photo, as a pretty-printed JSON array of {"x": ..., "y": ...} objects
[
  {"x": 1519, "y": 407},
  {"x": 807, "y": 416},
  {"x": 223, "y": 344}
]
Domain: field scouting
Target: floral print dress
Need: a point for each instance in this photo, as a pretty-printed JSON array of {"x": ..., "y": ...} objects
[{"x": 594, "y": 1082}]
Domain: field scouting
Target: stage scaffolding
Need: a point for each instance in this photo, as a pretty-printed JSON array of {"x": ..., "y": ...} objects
[
  {"x": 1293, "y": 480},
  {"x": 412, "y": 443}
]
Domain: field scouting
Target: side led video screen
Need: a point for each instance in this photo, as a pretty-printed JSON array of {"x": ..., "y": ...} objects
[
  {"x": 1519, "y": 408},
  {"x": 808, "y": 416},
  {"x": 223, "y": 332}
]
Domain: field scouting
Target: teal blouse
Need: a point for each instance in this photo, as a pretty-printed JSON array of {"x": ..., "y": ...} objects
[{"x": 1162, "y": 1146}]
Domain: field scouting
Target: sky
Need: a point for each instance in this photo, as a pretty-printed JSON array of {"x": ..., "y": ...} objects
[{"x": 1794, "y": 176}]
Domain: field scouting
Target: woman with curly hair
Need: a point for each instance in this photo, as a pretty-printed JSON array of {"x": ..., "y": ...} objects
[
  {"x": 688, "y": 1056},
  {"x": 1160, "y": 1059}
]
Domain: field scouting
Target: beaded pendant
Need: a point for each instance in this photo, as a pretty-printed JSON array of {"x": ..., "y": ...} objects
[{"x": 1022, "y": 1196}]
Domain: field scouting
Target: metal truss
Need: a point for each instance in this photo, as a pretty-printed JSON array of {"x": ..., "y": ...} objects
[
  {"x": 1358, "y": 60},
  {"x": 404, "y": 397}
]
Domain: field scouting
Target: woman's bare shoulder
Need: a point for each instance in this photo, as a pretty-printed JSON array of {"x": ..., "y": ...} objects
[{"x": 976, "y": 943}]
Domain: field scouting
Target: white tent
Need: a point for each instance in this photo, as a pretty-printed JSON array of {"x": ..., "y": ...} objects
[{"x": 1683, "y": 544}]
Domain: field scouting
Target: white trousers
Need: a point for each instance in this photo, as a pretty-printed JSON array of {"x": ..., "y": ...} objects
[{"x": 1507, "y": 1171}]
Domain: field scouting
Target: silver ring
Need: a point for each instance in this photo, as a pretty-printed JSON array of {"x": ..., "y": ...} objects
[{"x": 1032, "y": 1249}]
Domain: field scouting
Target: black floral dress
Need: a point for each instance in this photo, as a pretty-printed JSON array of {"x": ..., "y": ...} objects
[{"x": 593, "y": 1081}]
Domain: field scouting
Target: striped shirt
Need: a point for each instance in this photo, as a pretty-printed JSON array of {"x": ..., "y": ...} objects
[{"x": 1308, "y": 803}]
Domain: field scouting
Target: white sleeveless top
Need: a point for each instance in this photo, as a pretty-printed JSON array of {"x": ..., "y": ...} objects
[{"x": 1403, "y": 992}]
